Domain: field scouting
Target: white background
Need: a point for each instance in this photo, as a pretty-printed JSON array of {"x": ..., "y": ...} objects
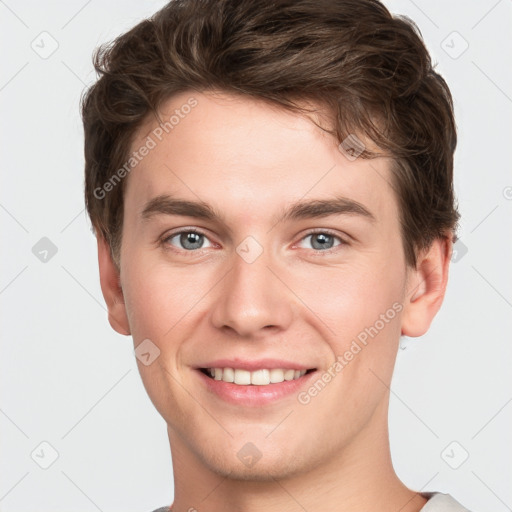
[{"x": 66, "y": 378}]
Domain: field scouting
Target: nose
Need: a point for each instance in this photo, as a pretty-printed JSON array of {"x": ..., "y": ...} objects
[{"x": 252, "y": 299}]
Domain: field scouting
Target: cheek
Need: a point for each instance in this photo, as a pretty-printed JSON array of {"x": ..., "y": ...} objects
[
  {"x": 351, "y": 298},
  {"x": 159, "y": 298},
  {"x": 362, "y": 309},
  {"x": 362, "y": 306}
]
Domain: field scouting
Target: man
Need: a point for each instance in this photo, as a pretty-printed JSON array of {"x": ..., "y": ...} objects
[{"x": 270, "y": 184}]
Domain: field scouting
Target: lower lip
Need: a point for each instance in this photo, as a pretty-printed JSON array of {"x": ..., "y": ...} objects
[{"x": 252, "y": 395}]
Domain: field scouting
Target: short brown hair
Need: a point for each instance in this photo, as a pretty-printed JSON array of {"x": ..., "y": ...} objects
[{"x": 370, "y": 69}]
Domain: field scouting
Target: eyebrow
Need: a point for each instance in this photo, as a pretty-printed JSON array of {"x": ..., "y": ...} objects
[{"x": 315, "y": 208}]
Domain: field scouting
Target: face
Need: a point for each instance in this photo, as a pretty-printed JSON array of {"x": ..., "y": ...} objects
[{"x": 255, "y": 250}]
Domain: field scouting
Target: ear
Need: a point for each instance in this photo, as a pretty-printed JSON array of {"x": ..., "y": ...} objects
[
  {"x": 426, "y": 286},
  {"x": 111, "y": 289}
]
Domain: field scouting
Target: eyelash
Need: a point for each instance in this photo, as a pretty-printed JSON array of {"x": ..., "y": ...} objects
[{"x": 164, "y": 241}]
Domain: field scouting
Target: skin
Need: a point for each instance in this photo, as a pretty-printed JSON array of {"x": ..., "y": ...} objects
[{"x": 250, "y": 160}]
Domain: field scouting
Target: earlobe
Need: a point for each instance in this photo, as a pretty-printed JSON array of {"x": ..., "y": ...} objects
[
  {"x": 111, "y": 289},
  {"x": 426, "y": 288}
]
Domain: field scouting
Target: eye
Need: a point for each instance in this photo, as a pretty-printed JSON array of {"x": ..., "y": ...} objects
[
  {"x": 188, "y": 240},
  {"x": 323, "y": 240}
]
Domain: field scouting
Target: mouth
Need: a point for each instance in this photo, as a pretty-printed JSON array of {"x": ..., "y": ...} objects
[
  {"x": 260, "y": 377},
  {"x": 254, "y": 387},
  {"x": 254, "y": 382}
]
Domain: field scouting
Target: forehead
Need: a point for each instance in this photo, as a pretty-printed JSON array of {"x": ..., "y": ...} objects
[{"x": 247, "y": 157}]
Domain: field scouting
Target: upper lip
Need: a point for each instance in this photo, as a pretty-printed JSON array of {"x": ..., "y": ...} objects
[{"x": 253, "y": 365}]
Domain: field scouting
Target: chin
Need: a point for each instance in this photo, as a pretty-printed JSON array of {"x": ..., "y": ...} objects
[
  {"x": 260, "y": 472},
  {"x": 274, "y": 464}
]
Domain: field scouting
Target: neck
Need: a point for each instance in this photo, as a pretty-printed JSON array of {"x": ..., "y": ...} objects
[{"x": 357, "y": 479}]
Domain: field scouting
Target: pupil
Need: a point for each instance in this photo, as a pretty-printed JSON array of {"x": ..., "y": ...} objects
[
  {"x": 191, "y": 240},
  {"x": 322, "y": 241}
]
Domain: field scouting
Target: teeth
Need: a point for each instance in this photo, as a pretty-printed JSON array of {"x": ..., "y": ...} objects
[
  {"x": 228, "y": 375},
  {"x": 276, "y": 375},
  {"x": 261, "y": 377},
  {"x": 242, "y": 377},
  {"x": 289, "y": 374}
]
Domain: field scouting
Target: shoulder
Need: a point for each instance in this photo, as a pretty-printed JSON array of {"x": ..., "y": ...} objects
[{"x": 438, "y": 502}]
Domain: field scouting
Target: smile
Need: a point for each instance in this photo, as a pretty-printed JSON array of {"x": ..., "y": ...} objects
[{"x": 261, "y": 377}]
